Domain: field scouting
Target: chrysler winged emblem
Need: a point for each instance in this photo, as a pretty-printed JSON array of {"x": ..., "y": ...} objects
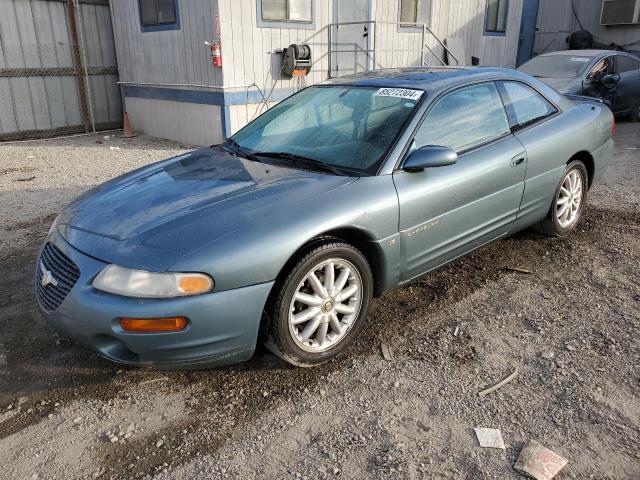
[{"x": 47, "y": 278}]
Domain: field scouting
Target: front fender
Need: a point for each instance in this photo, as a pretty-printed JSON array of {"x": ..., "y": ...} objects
[{"x": 258, "y": 252}]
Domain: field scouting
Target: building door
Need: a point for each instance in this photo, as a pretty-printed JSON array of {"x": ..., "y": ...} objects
[
  {"x": 527, "y": 31},
  {"x": 350, "y": 44}
]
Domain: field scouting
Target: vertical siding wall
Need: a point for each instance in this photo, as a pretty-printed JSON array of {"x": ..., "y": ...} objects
[
  {"x": 248, "y": 61},
  {"x": 171, "y": 89},
  {"x": 463, "y": 19},
  {"x": 34, "y": 35},
  {"x": 556, "y": 21},
  {"x": 168, "y": 56}
]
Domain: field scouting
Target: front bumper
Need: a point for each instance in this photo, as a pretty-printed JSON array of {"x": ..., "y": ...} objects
[{"x": 222, "y": 327}]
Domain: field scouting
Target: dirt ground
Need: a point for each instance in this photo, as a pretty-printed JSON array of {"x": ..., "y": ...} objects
[{"x": 570, "y": 327}]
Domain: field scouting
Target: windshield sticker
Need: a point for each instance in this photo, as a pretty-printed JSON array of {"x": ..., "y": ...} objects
[
  {"x": 399, "y": 93},
  {"x": 579, "y": 59}
]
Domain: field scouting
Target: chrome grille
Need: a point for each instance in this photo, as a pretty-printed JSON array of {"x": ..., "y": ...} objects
[{"x": 64, "y": 274}]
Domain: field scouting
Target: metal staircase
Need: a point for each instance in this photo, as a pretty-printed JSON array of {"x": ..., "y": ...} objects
[{"x": 372, "y": 45}]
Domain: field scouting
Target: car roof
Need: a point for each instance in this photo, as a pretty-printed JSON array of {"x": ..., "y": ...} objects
[
  {"x": 430, "y": 79},
  {"x": 586, "y": 53}
]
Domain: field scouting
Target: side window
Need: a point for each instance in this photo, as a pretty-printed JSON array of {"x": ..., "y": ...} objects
[
  {"x": 626, "y": 64},
  {"x": 495, "y": 22},
  {"x": 159, "y": 15},
  {"x": 603, "y": 67},
  {"x": 286, "y": 10},
  {"x": 526, "y": 105},
  {"x": 414, "y": 12},
  {"x": 464, "y": 119}
]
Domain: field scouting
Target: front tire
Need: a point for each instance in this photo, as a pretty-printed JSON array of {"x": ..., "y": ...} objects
[
  {"x": 568, "y": 203},
  {"x": 321, "y": 305}
]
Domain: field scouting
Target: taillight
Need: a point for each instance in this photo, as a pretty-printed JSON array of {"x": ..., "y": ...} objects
[{"x": 613, "y": 127}]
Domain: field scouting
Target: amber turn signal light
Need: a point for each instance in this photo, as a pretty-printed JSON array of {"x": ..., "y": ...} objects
[
  {"x": 192, "y": 284},
  {"x": 153, "y": 325}
]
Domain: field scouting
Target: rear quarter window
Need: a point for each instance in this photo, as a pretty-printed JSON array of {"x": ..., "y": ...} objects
[
  {"x": 626, "y": 64},
  {"x": 526, "y": 106}
]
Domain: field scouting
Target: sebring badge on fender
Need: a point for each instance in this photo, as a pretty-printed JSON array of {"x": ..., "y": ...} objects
[{"x": 47, "y": 278}]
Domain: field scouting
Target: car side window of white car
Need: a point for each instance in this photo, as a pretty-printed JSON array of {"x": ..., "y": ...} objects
[{"x": 464, "y": 119}]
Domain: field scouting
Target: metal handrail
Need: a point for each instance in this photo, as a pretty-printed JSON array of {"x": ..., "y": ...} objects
[{"x": 374, "y": 50}]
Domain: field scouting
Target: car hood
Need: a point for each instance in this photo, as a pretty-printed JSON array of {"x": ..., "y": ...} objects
[{"x": 151, "y": 217}]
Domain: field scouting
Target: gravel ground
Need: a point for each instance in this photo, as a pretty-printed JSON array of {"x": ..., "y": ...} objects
[{"x": 570, "y": 328}]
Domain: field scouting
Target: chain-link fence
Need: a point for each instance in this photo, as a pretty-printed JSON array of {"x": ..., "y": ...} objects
[{"x": 58, "y": 73}]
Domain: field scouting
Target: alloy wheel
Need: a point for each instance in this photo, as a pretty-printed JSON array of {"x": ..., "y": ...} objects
[
  {"x": 325, "y": 305},
  {"x": 569, "y": 198}
]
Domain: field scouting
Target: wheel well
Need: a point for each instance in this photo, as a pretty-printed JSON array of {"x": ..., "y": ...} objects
[
  {"x": 586, "y": 158},
  {"x": 354, "y": 237}
]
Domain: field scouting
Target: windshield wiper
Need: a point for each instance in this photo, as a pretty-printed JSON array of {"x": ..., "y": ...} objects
[
  {"x": 237, "y": 149},
  {"x": 303, "y": 161}
]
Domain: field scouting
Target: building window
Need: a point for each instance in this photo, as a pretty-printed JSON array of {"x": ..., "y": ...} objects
[
  {"x": 415, "y": 12},
  {"x": 156, "y": 15},
  {"x": 286, "y": 10},
  {"x": 496, "y": 17}
]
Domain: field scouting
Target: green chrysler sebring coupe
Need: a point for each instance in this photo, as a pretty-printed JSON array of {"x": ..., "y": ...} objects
[{"x": 285, "y": 232}]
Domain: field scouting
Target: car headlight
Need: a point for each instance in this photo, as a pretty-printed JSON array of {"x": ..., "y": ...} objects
[{"x": 141, "y": 284}]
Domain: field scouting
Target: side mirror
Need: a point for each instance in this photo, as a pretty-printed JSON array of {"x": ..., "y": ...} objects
[
  {"x": 429, "y": 156},
  {"x": 610, "y": 81}
]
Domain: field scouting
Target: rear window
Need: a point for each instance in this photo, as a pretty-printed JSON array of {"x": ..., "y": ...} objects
[{"x": 556, "y": 66}]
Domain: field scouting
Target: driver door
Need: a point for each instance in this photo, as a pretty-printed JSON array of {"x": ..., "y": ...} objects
[
  {"x": 592, "y": 85},
  {"x": 628, "y": 88},
  {"x": 448, "y": 211}
]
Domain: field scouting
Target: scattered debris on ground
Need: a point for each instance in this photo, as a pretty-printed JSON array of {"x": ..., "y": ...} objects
[
  {"x": 499, "y": 385},
  {"x": 539, "y": 462},
  {"x": 386, "y": 352},
  {"x": 519, "y": 270},
  {"x": 489, "y": 438}
]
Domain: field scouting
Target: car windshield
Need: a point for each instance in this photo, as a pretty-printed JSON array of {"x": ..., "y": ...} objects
[
  {"x": 344, "y": 127},
  {"x": 556, "y": 66}
]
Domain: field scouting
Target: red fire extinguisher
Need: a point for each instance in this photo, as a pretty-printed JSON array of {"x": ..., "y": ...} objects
[{"x": 216, "y": 54}]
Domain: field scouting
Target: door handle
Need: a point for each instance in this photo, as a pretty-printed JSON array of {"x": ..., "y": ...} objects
[{"x": 518, "y": 160}]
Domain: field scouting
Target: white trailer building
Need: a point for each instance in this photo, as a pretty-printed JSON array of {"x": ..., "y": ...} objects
[{"x": 171, "y": 88}]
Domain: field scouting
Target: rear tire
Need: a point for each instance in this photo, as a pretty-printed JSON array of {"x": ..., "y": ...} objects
[
  {"x": 321, "y": 305},
  {"x": 568, "y": 203}
]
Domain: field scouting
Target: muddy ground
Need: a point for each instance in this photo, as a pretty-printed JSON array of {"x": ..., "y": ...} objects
[{"x": 571, "y": 328}]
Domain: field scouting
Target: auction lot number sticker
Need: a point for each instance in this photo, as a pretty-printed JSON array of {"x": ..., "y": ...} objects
[{"x": 407, "y": 93}]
